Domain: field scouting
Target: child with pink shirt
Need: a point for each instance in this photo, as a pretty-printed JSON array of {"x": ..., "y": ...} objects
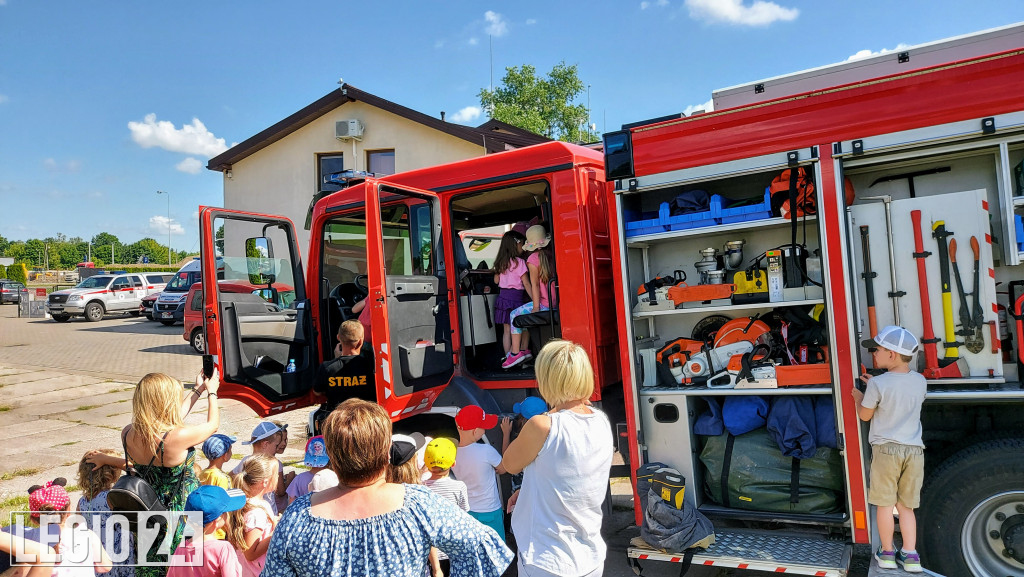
[
  {"x": 513, "y": 279},
  {"x": 540, "y": 270},
  {"x": 219, "y": 558},
  {"x": 251, "y": 526}
]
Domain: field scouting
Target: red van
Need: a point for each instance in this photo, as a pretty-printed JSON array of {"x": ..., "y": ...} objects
[{"x": 280, "y": 297}]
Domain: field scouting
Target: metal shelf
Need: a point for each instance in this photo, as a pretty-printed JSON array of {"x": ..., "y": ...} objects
[
  {"x": 644, "y": 240},
  {"x": 729, "y": 308}
]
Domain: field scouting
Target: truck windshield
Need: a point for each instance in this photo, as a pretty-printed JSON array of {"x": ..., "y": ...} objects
[
  {"x": 94, "y": 282},
  {"x": 182, "y": 281}
]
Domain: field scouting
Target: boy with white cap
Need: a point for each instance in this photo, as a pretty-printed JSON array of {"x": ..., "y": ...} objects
[
  {"x": 265, "y": 439},
  {"x": 892, "y": 403}
]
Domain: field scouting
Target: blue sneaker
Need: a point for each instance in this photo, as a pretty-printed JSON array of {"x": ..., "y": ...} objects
[
  {"x": 911, "y": 561},
  {"x": 886, "y": 559}
]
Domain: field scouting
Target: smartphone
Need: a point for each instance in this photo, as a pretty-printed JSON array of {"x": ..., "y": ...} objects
[{"x": 207, "y": 366}]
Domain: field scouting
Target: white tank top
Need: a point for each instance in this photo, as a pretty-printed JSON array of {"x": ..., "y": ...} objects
[{"x": 557, "y": 519}]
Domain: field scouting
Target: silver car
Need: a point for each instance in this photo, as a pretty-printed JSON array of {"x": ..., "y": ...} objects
[{"x": 98, "y": 295}]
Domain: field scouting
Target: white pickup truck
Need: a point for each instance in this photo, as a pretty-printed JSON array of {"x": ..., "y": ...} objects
[{"x": 99, "y": 295}]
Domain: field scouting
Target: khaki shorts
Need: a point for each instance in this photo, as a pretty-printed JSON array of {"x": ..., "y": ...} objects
[{"x": 897, "y": 472}]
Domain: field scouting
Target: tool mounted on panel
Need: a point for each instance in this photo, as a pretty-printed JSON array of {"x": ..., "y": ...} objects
[
  {"x": 869, "y": 280},
  {"x": 950, "y": 366},
  {"x": 974, "y": 341}
]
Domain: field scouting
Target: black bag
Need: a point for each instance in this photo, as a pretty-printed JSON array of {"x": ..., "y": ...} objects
[
  {"x": 132, "y": 494},
  {"x": 689, "y": 202}
]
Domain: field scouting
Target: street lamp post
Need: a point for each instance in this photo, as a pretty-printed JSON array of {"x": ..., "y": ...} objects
[{"x": 168, "y": 224}]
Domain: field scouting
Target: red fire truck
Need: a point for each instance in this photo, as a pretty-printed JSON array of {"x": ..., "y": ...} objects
[{"x": 929, "y": 141}]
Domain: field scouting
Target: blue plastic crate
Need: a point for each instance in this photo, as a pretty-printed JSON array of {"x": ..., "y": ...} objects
[
  {"x": 643, "y": 223},
  {"x": 1018, "y": 224},
  {"x": 694, "y": 219},
  {"x": 759, "y": 211}
]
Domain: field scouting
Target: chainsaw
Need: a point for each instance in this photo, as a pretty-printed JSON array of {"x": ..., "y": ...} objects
[
  {"x": 653, "y": 294},
  {"x": 709, "y": 362}
]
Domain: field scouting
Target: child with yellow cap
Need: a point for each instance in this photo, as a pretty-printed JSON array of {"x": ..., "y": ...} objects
[{"x": 438, "y": 458}]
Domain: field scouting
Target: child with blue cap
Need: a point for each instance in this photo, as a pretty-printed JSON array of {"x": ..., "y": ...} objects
[
  {"x": 218, "y": 451},
  {"x": 219, "y": 557},
  {"x": 316, "y": 459}
]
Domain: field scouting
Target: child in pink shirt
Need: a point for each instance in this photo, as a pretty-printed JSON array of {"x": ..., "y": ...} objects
[
  {"x": 513, "y": 280},
  {"x": 540, "y": 270},
  {"x": 219, "y": 558}
]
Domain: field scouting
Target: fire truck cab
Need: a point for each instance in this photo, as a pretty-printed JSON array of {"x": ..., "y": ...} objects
[{"x": 419, "y": 248}]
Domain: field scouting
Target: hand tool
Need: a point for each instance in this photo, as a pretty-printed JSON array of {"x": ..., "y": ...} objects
[
  {"x": 895, "y": 293},
  {"x": 933, "y": 370},
  {"x": 940, "y": 234},
  {"x": 974, "y": 341},
  {"x": 977, "y": 313},
  {"x": 869, "y": 284}
]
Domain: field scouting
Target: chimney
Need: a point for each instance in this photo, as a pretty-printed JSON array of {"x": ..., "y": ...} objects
[{"x": 442, "y": 116}]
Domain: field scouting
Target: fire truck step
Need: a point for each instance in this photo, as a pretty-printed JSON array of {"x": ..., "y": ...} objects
[
  {"x": 875, "y": 571},
  {"x": 736, "y": 548}
]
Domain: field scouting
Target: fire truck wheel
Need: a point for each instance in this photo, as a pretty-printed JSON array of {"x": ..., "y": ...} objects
[{"x": 972, "y": 511}]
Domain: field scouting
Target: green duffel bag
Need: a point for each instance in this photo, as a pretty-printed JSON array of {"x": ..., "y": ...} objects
[{"x": 750, "y": 472}]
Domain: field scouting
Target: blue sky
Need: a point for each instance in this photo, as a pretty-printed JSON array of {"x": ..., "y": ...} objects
[{"x": 104, "y": 103}]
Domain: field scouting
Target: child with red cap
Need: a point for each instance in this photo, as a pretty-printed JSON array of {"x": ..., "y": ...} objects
[
  {"x": 476, "y": 464},
  {"x": 82, "y": 553}
]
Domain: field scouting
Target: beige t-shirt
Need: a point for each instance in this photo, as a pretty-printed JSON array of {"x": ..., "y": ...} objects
[{"x": 897, "y": 400}]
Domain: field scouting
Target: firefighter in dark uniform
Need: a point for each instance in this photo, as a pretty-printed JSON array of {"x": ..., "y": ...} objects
[{"x": 349, "y": 375}]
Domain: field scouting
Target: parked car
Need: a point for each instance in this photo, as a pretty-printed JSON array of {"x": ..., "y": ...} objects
[
  {"x": 281, "y": 296},
  {"x": 98, "y": 295},
  {"x": 169, "y": 306},
  {"x": 11, "y": 291},
  {"x": 146, "y": 306}
]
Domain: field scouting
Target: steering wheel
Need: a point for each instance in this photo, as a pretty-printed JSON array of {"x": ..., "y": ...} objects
[
  {"x": 362, "y": 283},
  {"x": 341, "y": 305}
]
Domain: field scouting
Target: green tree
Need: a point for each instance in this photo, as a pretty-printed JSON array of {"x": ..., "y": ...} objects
[
  {"x": 3, "y": 271},
  {"x": 18, "y": 273},
  {"x": 4, "y": 243},
  {"x": 105, "y": 238},
  {"x": 543, "y": 105}
]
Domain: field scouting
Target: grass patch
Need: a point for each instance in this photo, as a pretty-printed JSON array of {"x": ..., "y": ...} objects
[
  {"x": 122, "y": 401},
  {"x": 68, "y": 443},
  {"x": 18, "y": 473},
  {"x": 4, "y": 408},
  {"x": 86, "y": 407}
]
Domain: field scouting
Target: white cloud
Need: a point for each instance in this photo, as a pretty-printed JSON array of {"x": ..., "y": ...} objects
[
  {"x": 190, "y": 138},
  {"x": 645, "y": 5},
  {"x": 3, "y": 97},
  {"x": 867, "y": 53},
  {"x": 758, "y": 13},
  {"x": 531, "y": 21},
  {"x": 52, "y": 165},
  {"x": 189, "y": 165},
  {"x": 439, "y": 44},
  {"x": 662, "y": 2},
  {"x": 467, "y": 114},
  {"x": 496, "y": 25},
  {"x": 473, "y": 41},
  {"x": 706, "y": 107},
  {"x": 159, "y": 225}
]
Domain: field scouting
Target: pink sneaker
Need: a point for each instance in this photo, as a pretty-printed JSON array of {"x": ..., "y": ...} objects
[{"x": 515, "y": 359}]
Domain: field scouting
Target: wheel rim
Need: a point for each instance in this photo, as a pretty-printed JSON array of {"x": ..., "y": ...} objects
[
  {"x": 980, "y": 540},
  {"x": 95, "y": 312},
  {"x": 199, "y": 342}
]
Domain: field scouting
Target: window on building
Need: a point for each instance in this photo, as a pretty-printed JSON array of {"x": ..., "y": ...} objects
[
  {"x": 328, "y": 164},
  {"x": 380, "y": 162}
]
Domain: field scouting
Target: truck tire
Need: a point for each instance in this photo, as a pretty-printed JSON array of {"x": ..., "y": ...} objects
[
  {"x": 167, "y": 323},
  {"x": 198, "y": 340},
  {"x": 972, "y": 511},
  {"x": 134, "y": 313},
  {"x": 61, "y": 318},
  {"x": 93, "y": 312}
]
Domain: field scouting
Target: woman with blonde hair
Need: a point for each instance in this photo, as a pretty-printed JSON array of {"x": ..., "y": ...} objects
[
  {"x": 368, "y": 526},
  {"x": 565, "y": 456},
  {"x": 162, "y": 447}
]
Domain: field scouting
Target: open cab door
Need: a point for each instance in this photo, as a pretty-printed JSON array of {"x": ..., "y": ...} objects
[
  {"x": 256, "y": 336},
  {"x": 409, "y": 298}
]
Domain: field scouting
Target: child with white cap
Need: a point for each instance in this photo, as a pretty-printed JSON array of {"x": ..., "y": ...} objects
[
  {"x": 892, "y": 403},
  {"x": 265, "y": 439}
]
